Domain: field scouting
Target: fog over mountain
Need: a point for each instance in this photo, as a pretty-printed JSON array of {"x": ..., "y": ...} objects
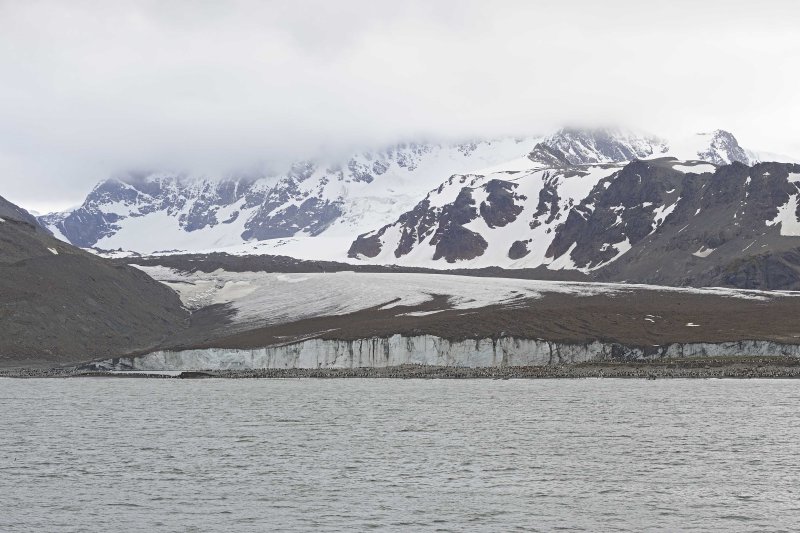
[{"x": 90, "y": 89}]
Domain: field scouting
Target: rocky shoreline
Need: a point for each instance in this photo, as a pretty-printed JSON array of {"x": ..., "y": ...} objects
[{"x": 696, "y": 368}]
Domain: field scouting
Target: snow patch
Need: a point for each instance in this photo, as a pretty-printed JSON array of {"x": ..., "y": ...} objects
[
  {"x": 420, "y": 313},
  {"x": 787, "y": 218},
  {"x": 661, "y": 213},
  {"x": 564, "y": 261},
  {"x": 701, "y": 168},
  {"x": 620, "y": 247},
  {"x": 703, "y": 252}
]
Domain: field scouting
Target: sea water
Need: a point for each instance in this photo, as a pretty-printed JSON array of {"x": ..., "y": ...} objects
[{"x": 120, "y": 454}]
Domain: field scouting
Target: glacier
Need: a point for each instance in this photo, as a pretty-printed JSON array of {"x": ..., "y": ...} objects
[{"x": 430, "y": 350}]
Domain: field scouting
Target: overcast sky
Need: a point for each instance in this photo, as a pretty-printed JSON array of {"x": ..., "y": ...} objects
[{"x": 89, "y": 88}]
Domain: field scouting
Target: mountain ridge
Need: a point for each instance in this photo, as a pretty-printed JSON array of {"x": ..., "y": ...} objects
[{"x": 508, "y": 202}]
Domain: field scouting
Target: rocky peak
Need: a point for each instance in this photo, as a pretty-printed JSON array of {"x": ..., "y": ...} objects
[
  {"x": 723, "y": 149},
  {"x": 570, "y": 146}
]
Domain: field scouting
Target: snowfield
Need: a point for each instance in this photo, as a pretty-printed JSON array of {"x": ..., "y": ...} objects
[{"x": 281, "y": 298}]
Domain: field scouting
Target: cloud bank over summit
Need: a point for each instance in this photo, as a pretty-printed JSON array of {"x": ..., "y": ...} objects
[{"x": 91, "y": 88}]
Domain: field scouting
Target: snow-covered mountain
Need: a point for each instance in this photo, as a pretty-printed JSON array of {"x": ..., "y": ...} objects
[
  {"x": 570, "y": 146},
  {"x": 159, "y": 211},
  {"x": 503, "y": 218},
  {"x": 659, "y": 220},
  {"x": 505, "y": 202}
]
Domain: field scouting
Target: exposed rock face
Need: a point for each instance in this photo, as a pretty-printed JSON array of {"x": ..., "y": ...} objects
[
  {"x": 501, "y": 206},
  {"x": 547, "y": 210},
  {"x": 442, "y": 224},
  {"x": 457, "y": 242},
  {"x": 445, "y": 225},
  {"x": 418, "y": 224},
  {"x": 726, "y": 228},
  {"x": 615, "y": 217},
  {"x": 59, "y": 304},
  {"x": 313, "y": 215},
  {"x": 368, "y": 245},
  {"x": 528, "y": 206},
  {"x": 451, "y": 239},
  {"x": 518, "y": 250},
  {"x": 194, "y": 205},
  {"x": 268, "y": 212}
]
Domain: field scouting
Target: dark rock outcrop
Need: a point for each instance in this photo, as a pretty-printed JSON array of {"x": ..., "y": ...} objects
[
  {"x": 623, "y": 212},
  {"x": 518, "y": 250},
  {"x": 501, "y": 206},
  {"x": 452, "y": 240}
]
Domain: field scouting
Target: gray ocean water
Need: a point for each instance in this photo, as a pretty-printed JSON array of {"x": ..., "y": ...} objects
[{"x": 473, "y": 455}]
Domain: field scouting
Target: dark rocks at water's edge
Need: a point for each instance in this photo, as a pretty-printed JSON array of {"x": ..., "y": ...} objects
[
  {"x": 695, "y": 368},
  {"x": 777, "y": 367}
]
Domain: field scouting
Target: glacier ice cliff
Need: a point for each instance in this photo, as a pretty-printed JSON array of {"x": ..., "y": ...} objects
[{"x": 431, "y": 350}]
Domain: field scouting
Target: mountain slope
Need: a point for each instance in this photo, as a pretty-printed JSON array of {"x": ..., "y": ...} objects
[
  {"x": 59, "y": 304},
  {"x": 738, "y": 226},
  {"x": 655, "y": 221},
  {"x": 503, "y": 219}
]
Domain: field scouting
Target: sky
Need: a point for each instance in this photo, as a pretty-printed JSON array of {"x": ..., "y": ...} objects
[{"x": 93, "y": 88}]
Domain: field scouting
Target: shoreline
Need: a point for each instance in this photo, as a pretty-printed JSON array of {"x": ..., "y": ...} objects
[{"x": 696, "y": 368}]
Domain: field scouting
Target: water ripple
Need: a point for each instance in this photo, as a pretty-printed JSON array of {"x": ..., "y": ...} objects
[{"x": 405, "y": 455}]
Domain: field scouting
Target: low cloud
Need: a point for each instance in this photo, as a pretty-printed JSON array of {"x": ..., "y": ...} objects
[{"x": 92, "y": 88}]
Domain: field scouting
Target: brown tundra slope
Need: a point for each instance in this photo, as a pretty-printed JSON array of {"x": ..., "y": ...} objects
[{"x": 61, "y": 305}]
